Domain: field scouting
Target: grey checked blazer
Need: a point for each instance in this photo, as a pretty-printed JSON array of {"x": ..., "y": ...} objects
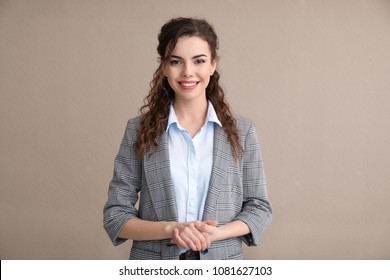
[{"x": 237, "y": 191}]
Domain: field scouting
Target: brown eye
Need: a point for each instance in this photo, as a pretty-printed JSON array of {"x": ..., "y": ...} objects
[
  {"x": 175, "y": 62},
  {"x": 200, "y": 61}
]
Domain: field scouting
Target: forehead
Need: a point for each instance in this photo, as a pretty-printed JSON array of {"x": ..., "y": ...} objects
[{"x": 191, "y": 46}]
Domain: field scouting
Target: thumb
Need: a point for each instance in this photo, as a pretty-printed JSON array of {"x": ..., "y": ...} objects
[{"x": 213, "y": 223}]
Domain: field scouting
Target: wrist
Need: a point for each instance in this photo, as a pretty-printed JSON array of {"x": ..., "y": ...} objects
[
  {"x": 168, "y": 228},
  {"x": 219, "y": 233}
]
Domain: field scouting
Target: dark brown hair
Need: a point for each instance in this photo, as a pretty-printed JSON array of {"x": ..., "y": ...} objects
[{"x": 156, "y": 105}]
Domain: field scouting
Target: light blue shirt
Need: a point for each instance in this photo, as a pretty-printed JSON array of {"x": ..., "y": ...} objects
[{"x": 191, "y": 161}]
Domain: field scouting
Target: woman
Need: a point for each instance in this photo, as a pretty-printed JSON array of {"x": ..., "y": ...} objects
[{"x": 197, "y": 168}]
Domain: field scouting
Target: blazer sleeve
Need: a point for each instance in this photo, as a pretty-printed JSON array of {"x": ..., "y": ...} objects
[
  {"x": 124, "y": 186},
  {"x": 256, "y": 209}
]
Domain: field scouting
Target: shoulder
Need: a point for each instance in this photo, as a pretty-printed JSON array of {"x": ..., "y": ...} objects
[
  {"x": 133, "y": 123},
  {"x": 244, "y": 125},
  {"x": 131, "y": 129}
]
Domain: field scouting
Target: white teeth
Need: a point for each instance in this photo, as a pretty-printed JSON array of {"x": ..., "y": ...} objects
[{"x": 188, "y": 84}]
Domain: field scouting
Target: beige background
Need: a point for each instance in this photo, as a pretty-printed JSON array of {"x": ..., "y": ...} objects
[{"x": 313, "y": 75}]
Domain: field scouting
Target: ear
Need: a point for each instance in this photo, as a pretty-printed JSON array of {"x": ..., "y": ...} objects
[{"x": 213, "y": 67}]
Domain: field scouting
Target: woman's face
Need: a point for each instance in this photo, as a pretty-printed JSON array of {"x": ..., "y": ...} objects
[{"x": 189, "y": 68}]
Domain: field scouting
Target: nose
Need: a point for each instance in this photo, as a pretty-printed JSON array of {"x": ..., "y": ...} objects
[{"x": 187, "y": 70}]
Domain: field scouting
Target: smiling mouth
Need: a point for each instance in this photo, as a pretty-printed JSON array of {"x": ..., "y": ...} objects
[{"x": 188, "y": 85}]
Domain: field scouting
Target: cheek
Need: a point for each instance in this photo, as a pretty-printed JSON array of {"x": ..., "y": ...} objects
[
  {"x": 171, "y": 75},
  {"x": 206, "y": 78}
]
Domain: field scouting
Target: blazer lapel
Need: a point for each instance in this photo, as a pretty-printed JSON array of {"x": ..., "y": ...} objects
[
  {"x": 159, "y": 181},
  {"x": 221, "y": 157}
]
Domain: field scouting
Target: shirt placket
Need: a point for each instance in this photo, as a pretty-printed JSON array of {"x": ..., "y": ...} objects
[{"x": 192, "y": 203}]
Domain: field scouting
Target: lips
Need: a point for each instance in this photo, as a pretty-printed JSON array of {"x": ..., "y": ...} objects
[{"x": 188, "y": 84}]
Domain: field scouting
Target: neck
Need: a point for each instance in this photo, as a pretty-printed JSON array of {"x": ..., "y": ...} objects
[{"x": 188, "y": 111}]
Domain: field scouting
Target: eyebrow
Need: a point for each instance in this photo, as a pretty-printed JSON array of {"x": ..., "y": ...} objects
[{"x": 194, "y": 57}]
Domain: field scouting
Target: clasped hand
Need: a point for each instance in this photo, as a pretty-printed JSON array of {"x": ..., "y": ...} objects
[{"x": 196, "y": 235}]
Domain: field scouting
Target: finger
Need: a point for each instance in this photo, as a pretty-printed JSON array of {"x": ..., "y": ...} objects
[
  {"x": 182, "y": 240},
  {"x": 188, "y": 241},
  {"x": 209, "y": 230},
  {"x": 201, "y": 226},
  {"x": 201, "y": 241},
  {"x": 196, "y": 237},
  {"x": 213, "y": 223},
  {"x": 204, "y": 227},
  {"x": 178, "y": 240}
]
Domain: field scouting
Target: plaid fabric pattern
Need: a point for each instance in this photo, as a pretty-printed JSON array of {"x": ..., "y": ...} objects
[{"x": 237, "y": 191}]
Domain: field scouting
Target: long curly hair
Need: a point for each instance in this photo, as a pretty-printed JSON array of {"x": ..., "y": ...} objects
[{"x": 155, "y": 111}]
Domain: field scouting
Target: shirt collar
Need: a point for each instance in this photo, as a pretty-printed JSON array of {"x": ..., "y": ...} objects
[{"x": 210, "y": 117}]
